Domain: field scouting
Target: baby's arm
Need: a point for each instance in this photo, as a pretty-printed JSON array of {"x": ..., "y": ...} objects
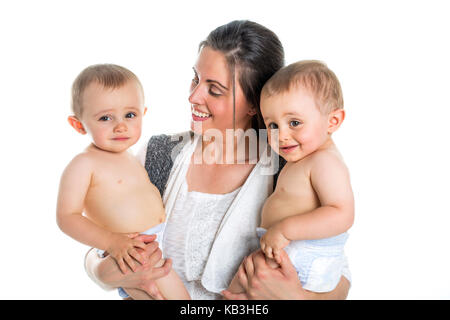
[
  {"x": 331, "y": 182},
  {"x": 75, "y": 182}
]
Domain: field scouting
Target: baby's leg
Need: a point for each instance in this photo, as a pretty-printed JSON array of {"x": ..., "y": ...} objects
[{"x": 171, "y": 286}]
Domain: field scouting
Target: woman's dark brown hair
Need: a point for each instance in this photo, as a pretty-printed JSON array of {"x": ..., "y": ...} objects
[{"x": 254, "y": 51}]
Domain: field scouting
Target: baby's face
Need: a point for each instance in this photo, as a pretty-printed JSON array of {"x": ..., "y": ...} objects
[
  {"x": 302, "y": 128},
  {"x": 113, "y": 117}
]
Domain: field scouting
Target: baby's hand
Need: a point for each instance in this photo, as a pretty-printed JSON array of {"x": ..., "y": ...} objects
[
  {"x": 123, "y": 249},
  {"x": 272, "y": 242}
]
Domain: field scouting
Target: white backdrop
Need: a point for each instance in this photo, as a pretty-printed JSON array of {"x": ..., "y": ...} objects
[{"x": 393, "y": 62}]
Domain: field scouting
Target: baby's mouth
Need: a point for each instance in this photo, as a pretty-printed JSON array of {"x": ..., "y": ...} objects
[{"x": 288, "y": 149}]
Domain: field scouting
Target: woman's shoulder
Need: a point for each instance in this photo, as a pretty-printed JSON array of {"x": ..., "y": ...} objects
[
  {"x": 160, "y": 154},
  {"x": 166, "y": 142}
]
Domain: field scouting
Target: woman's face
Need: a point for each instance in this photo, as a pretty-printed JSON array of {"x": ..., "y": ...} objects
[{"x": 211, "y": 95}]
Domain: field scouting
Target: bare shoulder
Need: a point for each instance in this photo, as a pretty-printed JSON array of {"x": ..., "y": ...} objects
[
  {"x": 82, "y": 163},
  {"x": 327, "y": 159}
]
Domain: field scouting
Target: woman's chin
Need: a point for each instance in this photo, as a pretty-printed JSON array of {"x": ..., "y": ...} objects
[{"x": 199, "y": 127}]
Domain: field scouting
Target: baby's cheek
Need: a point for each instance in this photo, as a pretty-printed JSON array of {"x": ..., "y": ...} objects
[
  {"x": 272, "y": 137},
  {"x": 312, "y": 141}
]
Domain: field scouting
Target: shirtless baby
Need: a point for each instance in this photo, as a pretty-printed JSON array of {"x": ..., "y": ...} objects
[
  {"x": 105, "y": 197},
  {"x": 312, "y": 206}
]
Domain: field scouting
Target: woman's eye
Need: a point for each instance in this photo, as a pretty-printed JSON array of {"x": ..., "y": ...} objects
[
  {"x": 294, "y": 123},
  {"x": 130, "y": 115},
  {"x": 195, "y": 80},
  {"x": 104, "y": 118},
  {"x": 272, "y": 126},
  {"x": 214, "y": 91}
]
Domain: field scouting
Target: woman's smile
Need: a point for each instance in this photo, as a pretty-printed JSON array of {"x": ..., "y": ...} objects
[{"x": 198, "y": 115}]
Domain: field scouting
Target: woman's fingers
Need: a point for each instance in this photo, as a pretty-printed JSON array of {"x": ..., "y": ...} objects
[
  {"x": 242, "y": 276},
  {"x": 122, "y": 266},
  {"x": 287, "y": 268},
  {"x": 146, "y": 238},
  {"x": 130, "y": 262},
  {"x": 246, "y": 276},
  {"x": 249, "y": 267},
  {"x": 234, "y": 296},
  {"x": 153, "y": 252},
  {"x": 162, "y": 271},
  {"x": 139, "y": 244},
  {"x": 136, "y": 255}
]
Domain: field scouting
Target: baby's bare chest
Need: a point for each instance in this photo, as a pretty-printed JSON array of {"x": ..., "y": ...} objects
[
  {"x": 122, "y": 198},
  {"x": 293, "y": 195},
  {"x": 120, "y": 175}
]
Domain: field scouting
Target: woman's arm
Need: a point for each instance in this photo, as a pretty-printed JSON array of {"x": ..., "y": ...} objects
[
  {"x": 105, "y": 271},
  {"x": 262, "y": 282}
]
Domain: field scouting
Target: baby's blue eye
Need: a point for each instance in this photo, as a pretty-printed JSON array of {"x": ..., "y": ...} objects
[
  {"x": 273, "y": 126},
  {"x": 294, "y": 123},
  {"x": 130, "y": 115},
  {"x": 104, "y": 118}
]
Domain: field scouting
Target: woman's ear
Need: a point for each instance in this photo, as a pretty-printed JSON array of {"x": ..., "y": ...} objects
[
  {"x": 335, "y": 119},
  {"x": 76, "y": 124},
  {"x": 145, "y": 111}
]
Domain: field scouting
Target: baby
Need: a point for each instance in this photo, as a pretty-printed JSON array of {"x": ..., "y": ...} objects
[
  {"x": 106, "y": 182},
  {"x": 312, "y": 206}
]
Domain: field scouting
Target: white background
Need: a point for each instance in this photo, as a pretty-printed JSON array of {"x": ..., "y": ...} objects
[{"x": 392, "y": 58}]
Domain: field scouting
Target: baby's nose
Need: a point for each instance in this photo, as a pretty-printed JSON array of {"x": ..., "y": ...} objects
[
  {"x": 120, "y": 127},
  {"x": 283, "y": 135}
]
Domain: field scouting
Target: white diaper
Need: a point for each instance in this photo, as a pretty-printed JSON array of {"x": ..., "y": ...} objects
[{"x": 319, "y": 263}]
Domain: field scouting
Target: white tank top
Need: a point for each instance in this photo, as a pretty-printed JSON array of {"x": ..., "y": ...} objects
[{"x": 190, "y": 233}]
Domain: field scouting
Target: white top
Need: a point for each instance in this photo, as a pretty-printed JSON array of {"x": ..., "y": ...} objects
[
  {"x": 234, "y": 235},
  {"x": 190, "y": 233}
]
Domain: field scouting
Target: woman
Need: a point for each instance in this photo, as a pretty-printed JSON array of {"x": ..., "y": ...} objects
[{"x": 212, "y": 186}]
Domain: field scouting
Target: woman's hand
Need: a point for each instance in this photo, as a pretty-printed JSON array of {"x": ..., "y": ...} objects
[
  {"x": 263, "y": 282},
  {"x": 105, "y": 271}
]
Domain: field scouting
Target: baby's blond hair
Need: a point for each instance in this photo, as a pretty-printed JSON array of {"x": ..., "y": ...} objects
[
  {"x": 108, "y": 75},
  {"x": 314, "y": 76}
]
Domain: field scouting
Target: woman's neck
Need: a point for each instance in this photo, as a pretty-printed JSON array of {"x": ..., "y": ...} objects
[{"x": 231, "y": 147}]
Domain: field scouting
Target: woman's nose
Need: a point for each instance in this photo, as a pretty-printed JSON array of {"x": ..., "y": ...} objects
[{"x": 196, "y": 96}]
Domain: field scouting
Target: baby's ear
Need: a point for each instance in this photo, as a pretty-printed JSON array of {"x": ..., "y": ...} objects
[
  {"x": 335, "y": 119},
  {"x": 145, "y": 111},
  {"x": 76, "y": 124}
]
